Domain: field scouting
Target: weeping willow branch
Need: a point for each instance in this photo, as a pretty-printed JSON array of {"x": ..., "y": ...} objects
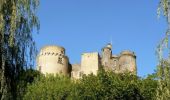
[
  {"x": 163, "y": 68},
  {"x": 17, "y": 48}
]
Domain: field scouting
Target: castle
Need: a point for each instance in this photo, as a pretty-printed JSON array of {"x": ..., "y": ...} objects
[{"x": 52, "y": 60}]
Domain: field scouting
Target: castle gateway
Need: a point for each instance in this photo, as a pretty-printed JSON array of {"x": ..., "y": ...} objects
[{"x": 52, "y": 60}]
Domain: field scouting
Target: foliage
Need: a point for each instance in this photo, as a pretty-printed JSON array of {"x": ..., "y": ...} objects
[
  {"x": 111, "y": 86},
  {"x": 163, "y": 6},
  {"x": 163, "y": 90},
  {"x": 17, "y": 21},
  {"x": 104, "y": 86},
  {"x": 163, "y": 69},
  {"x": 26, "y": 77},
  {"x": 49, "y": 88}
]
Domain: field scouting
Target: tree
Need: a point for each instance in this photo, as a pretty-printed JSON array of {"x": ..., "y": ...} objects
[
  {"x": 111, "y": 86},
  {"x": 163, "y": 69},
  {"x": 104, "y": 86},
  {"x": 163, "y": 89},
  {"x": 17, "y": 21},
  {"x": 26, "y": 77},
  {"x": 49, "y": 88}
]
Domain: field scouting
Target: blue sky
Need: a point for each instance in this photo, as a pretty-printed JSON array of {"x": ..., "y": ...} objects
[{"x": 88, "y": 25}]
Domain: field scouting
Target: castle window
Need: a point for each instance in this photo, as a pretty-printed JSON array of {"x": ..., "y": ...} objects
[
  {"x": 56, "y": 54},
  {"x": 53, "y": 53},
  {"x": 59, "y": 60}
]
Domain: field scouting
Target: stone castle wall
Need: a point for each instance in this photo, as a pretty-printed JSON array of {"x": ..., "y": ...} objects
[
  {"x": 75, "y": 73},
  {"x": 90, "y": 63},
  {"x": 127, "y": 62},
  {"x": 52, "y": 59}
]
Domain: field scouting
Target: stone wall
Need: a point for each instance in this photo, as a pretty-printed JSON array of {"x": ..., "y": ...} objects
[
  {"x": 90, "y": 63},
  {"x": 127, "y": 62},
  {"x": 52, "y": 60},
  {"x": 124, "y": 62},
  {"x": 75, "y": 73}
]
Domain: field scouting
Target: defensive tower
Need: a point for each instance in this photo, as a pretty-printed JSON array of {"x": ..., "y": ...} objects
[
  {"x": 127, "y": 61},
  {"x": 52, "y": 60},
  {"x": 106, "y": 55}
]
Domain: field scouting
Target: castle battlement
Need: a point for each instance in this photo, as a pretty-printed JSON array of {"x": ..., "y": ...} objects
[{"x": 52, "y": 59}]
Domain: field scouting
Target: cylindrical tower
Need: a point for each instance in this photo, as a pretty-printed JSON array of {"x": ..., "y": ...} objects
[
  {"x": 127, "y": 62},
  {"x": 52, "y": 60},
  {"x": 106, "y": 55}
]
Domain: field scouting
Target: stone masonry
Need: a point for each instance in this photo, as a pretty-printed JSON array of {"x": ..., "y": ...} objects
[{"x": 52, "y": 60}]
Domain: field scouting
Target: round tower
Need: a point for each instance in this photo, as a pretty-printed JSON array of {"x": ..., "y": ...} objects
[
  {"x": 127, "y": 61},
  {"x": 52, "y": 60}
]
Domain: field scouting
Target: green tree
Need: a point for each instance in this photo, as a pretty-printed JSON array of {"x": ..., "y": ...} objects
[
  {"x": 17, "y": 21},
  {"x": 104, "y": 86},
  {"x": 163, "y": 74},
  {"x": 49, "y": 88},
  {"x": 163, "y": 69},
  {"x": 111, "y": 86},
  {"x": 26, "y": 77}
]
